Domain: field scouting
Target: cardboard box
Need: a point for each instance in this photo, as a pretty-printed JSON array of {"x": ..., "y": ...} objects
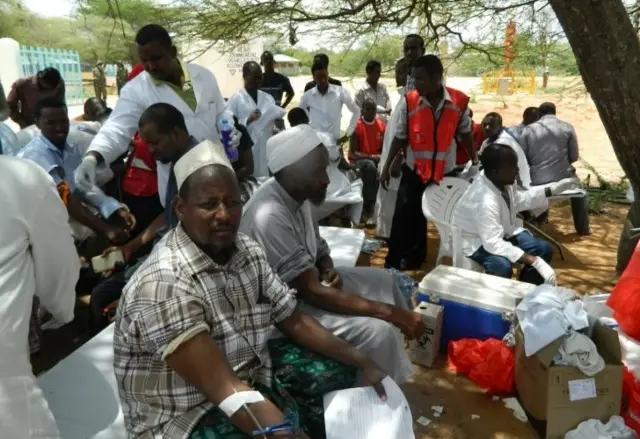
[
  {"x": 562, "y": 395},
  {"x": 424, "y": 349}
]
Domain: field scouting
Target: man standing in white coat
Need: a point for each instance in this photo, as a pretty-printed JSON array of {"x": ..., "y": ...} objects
[
  {"x": 257, "y": 111},
  {"x": 386, "y": 198},
  {"x": 190, "y": 88},
  {"x": 37, "y": 255}
]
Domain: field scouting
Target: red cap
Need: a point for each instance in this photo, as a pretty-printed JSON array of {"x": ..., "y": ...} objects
[{"x": 135, "y": 71}]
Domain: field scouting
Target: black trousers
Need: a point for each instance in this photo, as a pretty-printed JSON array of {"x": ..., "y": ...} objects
[{"x": 408, "y": 240}]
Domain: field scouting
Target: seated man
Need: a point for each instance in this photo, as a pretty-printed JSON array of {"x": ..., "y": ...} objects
[
  {"x": 344, "y": 202},
  {"x": 297, "y": 116},
  {"x": 365, "y": 147},
  {"x": 529, "y": 116},
  {"x": 191, "y": 333},
  {"x": 95, "y": 110},
  {"x": 163, "y": 129},
  {"x": 495, "y": 132},
  {"x": 551, "y": 148},
  {"x": 360, "y": 305},
  {"x": 60, "y": 158},
  {"x": 486, "y": 215}
]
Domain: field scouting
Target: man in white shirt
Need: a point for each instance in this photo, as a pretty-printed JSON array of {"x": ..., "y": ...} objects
[
  {"x": 257, "y": 110},
  {"x": 323, "y": 103},
  {"x": 486, "y": 215},
  {"x": 37, "y": 256},
  {"x": 495, "y": 132},
  {"x": 190, "y": 88}
]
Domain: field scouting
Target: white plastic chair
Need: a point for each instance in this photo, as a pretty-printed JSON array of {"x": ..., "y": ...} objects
[{"x": 438, "y": 204}]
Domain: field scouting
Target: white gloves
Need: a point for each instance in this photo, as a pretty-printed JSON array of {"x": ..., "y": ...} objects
[
  {"x": 85, "y": 175},
  {"x": 545, "y": 271},
  {"x": 563, "y": 185}
]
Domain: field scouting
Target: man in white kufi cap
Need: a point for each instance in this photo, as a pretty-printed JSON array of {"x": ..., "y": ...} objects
[
  {"x": 195, "y": 319},
  {"x": 363, "y": 306}
]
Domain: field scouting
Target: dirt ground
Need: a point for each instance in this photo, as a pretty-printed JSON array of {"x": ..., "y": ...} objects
[{"x": 589, "y": 268}]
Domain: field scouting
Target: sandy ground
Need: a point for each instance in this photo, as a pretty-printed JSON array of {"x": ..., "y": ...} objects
[{"x": 589, "y": 268}]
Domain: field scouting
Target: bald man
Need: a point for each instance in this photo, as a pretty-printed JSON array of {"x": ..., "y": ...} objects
[
  {"x": 363, "y": 306},
  {"x": 257, "y": 111}
]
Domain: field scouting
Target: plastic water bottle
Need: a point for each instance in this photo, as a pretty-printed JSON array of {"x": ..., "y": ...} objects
[{"x": 225, "y": 126}]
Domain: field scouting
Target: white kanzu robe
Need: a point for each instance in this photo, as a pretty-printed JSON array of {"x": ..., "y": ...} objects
[
  {"x": 242, "y": 105},
  {"x": 386, "y": 199}
]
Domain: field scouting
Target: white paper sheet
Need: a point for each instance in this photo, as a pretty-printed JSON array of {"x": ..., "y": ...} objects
[{"x": 360, "y": 414}]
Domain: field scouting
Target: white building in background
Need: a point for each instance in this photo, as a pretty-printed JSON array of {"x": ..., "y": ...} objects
[
  {"x": 10, "y": 66},
  {"x": 287, "y": 65},
  {"x": 224, "y": 60}
]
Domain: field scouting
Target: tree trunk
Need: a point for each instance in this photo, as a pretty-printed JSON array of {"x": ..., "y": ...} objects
[{"x": 607, "y": 50}]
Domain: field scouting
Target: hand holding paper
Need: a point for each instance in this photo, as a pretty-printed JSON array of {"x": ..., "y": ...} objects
[{"x": 360, "y": 414}]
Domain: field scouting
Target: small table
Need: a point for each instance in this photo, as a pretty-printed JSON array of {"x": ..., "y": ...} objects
[{"x": 81, "y": 389}]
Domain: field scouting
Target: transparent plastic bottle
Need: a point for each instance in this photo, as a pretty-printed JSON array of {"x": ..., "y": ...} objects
[{"x": 225, "y": 127}]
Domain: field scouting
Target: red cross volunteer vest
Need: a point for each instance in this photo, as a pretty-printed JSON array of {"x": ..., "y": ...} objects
[{"x": 431, "y": 139}]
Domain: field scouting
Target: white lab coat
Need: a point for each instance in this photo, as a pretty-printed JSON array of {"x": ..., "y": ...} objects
[
  {"x": 486, "y": 221},
  {"x": 507, "y": 139},
  {"x": 37, "y": 255},
  {"x": 141, "y": 92},
  {"x": 242, "y": 105},
  {"x": 386, "y": 199}
]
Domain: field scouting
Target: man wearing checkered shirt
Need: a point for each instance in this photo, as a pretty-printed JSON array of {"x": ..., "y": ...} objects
[{"x": 194, "y": 323}]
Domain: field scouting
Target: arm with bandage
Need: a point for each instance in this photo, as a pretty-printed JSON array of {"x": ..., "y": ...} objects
[
  {"x": 171, "y": 323},
  {"x": 194, "y": 360}
]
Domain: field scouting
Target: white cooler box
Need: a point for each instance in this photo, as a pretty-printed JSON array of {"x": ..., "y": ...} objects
[{"x": 476, "y": 305}]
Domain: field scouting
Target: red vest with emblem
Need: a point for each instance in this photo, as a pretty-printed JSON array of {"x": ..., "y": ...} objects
[
  {"x": 140, "y": 178},
  {"x": 431, "y": 139}
]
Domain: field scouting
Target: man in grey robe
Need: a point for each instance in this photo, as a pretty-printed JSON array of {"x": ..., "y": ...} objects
[{"x": 363, "y": 306}]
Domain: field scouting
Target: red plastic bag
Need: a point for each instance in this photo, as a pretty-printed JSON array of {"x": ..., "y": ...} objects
[
  {"x": 625, "y": 298},
  {"x": 490, "y": 364}
]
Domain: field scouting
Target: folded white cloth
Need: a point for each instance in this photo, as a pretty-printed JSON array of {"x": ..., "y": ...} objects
[
  {"x": 546, "y": 314},
  {"x": 578, "y": 350},
  {"x": 595, "y": 429}
]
